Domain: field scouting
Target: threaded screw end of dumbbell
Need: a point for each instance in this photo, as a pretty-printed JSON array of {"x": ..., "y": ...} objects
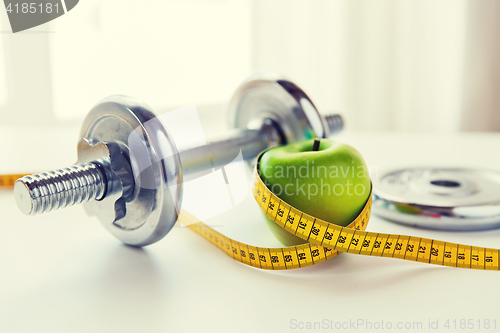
[
  {"x": 52, "y": 190},
  {"x": 335, "y": 123}
]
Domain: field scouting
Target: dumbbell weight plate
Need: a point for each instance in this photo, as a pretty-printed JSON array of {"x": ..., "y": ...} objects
[{"x": 271, "y": 96}]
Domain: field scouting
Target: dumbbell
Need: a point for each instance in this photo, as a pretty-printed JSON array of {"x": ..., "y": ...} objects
[{"x": 129, "y": 172}]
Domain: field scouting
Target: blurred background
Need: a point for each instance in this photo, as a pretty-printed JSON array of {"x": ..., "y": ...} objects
[{"x": 400, "y": 65}]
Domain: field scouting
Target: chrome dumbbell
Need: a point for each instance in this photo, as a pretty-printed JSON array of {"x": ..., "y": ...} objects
[{"x": 129, "y": 171}]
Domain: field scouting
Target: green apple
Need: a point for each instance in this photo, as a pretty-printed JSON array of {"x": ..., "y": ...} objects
[{"x": 323, "y": 178}]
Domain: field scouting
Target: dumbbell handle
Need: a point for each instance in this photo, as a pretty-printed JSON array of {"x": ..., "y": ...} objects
[{"x": 250, "y": 142}]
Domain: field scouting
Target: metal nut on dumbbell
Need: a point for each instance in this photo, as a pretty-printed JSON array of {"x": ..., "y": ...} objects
[{"x": 129, "y": 171}]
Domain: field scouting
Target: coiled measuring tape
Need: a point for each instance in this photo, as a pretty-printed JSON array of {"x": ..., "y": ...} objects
[{"x": 324, "y": 240}]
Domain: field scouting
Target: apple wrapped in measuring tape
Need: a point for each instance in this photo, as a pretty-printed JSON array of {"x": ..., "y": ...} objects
[{"x": 323, "y": 178}]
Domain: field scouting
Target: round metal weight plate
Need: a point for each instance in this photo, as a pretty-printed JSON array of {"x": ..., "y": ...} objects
[
  {"x": 460, "y": 199},
  {"x": 270, "y": 96},
  {"x": 120, "y": 125}
]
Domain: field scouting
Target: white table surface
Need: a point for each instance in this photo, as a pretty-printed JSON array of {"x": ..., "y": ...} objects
[{"x": 62, "y": 272}]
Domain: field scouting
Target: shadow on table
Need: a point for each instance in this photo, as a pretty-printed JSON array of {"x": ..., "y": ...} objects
[
  {"x": 123, "y": 290},
  {"x": 347, "y": 274}
]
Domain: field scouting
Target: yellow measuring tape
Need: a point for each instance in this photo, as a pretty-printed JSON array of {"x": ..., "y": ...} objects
[
  {"x": 326, "y": 240},
  {"x": 9, "y": 180}
]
